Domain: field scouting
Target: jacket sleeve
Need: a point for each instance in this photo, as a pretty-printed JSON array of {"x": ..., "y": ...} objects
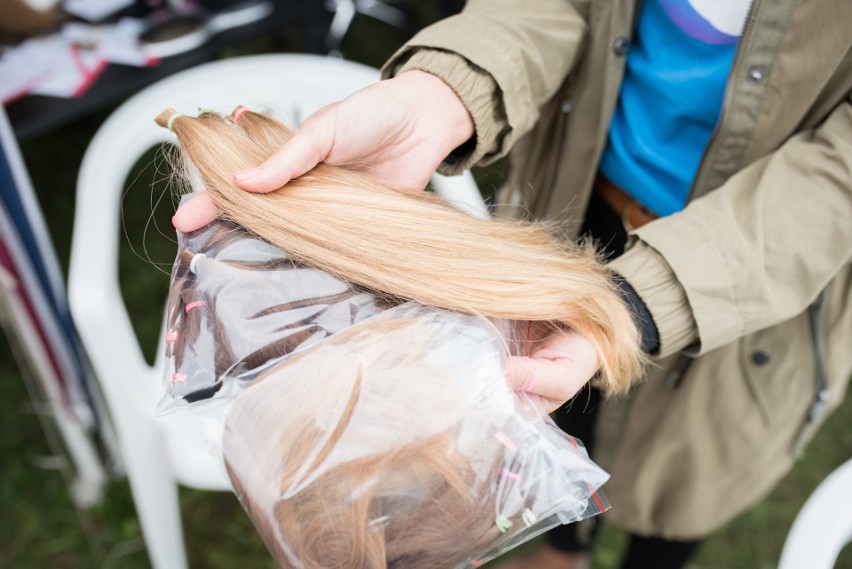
[
  {"x": 756, "y": 251},
  {"x": 504, "y": 59}
]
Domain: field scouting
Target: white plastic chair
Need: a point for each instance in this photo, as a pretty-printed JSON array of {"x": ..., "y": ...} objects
[
  {"x": 161, "y": 452},
  {"x": 823, "y": 526}
]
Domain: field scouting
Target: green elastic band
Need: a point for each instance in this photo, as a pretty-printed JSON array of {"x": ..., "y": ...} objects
[
  {"x": 205, "y": 111},
  {"x": 170, "y": 124},
  {"x": 502, "y": 522}
]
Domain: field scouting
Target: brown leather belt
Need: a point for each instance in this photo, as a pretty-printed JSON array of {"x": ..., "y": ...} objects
[{"x": 633, "y": 214}]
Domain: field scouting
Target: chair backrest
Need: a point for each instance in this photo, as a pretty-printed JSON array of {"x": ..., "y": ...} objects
[{"x": 291, "y": 87}]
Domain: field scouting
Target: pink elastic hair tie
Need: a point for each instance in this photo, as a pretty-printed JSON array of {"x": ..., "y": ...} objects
[
  {"x": 238, "y": 113},
  {"x": 171, "y": 336},
  {"x": 531, "y": 382},
  {"x": 195, "y": 304},
  {"x": 178, "y": 378}
]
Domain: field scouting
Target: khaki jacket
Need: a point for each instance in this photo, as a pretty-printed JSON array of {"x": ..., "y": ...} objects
[{"x": 729, "y": 280}]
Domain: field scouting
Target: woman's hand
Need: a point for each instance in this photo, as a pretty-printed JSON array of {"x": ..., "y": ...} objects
[
  {"x": 559, "y": 365},
  {"x": 398, "y": 130}
]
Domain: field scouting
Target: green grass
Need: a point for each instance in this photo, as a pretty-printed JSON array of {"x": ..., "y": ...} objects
[{"x": 40, "y": 528}]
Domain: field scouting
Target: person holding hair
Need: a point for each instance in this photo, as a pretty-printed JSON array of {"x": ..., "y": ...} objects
[{"x": 707, "y": 147}]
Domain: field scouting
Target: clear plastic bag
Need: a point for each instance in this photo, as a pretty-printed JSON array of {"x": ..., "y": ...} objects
[
  {"x": 237, "y": 305},
  {"x": 359, "y": 434},
  {"x": 398, "y": 443}
]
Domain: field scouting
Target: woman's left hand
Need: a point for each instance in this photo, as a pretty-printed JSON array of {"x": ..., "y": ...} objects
[{"x": 559, "y": 364}]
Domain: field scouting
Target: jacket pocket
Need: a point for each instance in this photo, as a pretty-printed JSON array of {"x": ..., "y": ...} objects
[{"x": 779, "y": 369}]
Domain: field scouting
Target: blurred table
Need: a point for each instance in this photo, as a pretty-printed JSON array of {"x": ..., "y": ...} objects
[{"x": 35, "y": 114}]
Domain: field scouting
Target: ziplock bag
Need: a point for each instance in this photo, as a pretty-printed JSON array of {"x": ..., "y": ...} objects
[
  {"x": 359, "y": 434},
  {"x": 398, "y": 443}
]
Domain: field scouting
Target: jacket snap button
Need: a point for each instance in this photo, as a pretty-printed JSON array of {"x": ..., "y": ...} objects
[
  {"x": 621, "y": 45},
  {"x": 755, "y": 75},
  {"x": 567, "y": 105},
  {"x": 760, "y": 357}
]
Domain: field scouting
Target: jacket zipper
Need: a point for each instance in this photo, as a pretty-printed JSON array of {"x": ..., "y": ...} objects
[
  {"x": 819, "y": 405},
  {"x": 726, "y": 100}
]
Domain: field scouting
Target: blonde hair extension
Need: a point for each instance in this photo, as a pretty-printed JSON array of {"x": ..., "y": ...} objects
[{"x": 412, "y": 246}]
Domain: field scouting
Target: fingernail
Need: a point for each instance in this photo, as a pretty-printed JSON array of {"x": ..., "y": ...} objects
[{"x": 246, "y": 175}]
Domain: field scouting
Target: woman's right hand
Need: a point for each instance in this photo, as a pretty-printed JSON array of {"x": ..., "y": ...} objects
[{"x": 398, "y": 130}]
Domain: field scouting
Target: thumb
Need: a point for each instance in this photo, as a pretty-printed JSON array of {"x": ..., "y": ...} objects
[
  {"x": 308, "y": 147},
  {"x": 522, "y": 373},
  {"x": 555, "y": 380},
  {"x": 194, "y": 214}
]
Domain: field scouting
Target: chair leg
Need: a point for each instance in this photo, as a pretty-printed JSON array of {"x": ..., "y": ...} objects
[
  {"x": 155, "y": 495},
  {"x": 344, "y": 13}
]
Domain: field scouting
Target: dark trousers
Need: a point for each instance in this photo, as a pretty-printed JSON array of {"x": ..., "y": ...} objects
[{"x": 578, "y": 417}]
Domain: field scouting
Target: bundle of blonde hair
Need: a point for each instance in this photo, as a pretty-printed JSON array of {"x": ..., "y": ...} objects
[{"x": 411, "y": 246}]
